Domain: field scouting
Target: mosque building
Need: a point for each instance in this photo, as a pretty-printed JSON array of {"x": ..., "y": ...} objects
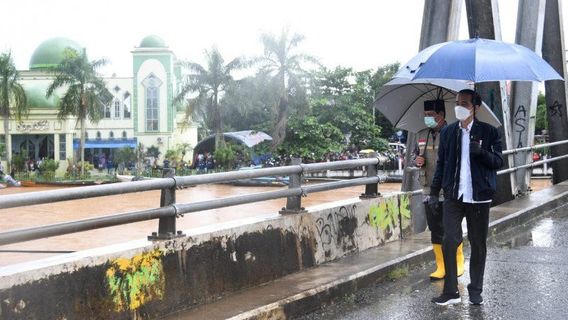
[{"x": 141, "y": 112}]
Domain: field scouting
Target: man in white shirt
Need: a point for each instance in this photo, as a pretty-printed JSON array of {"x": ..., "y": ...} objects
[{"x": 468, "y": 158}]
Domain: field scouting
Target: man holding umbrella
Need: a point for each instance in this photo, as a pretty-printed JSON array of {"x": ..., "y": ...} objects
[
  {"x": 468, "y": 158},
  {"x": 426, "y": 154}
]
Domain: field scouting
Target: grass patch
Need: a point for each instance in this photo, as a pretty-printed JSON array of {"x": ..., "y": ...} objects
[{"x": 398, "y": 273}]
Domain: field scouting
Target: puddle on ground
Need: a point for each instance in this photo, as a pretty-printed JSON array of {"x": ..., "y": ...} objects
[{"x": 535, "y": 234}]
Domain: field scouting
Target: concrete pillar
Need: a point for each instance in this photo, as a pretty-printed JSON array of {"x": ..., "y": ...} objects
[
  {"x": 440, "y": 23},
  {"x": 553, "y": 53},
  {"x": 524, "y": 94},
  {"x": 483, "y": 21}
]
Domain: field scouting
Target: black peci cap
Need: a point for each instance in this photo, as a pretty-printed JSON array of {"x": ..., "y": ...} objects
[{"x": 435, "y": 105}]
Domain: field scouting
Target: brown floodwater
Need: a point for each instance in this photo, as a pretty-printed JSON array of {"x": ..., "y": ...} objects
[
  {"x": 45, "y": 214},
  {"x": 58, "y": 212}
]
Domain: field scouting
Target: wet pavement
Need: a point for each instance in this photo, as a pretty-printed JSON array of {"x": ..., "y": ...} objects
[
  {"x": 38, "y": 215},
  {"x": 526, "y": 278}
]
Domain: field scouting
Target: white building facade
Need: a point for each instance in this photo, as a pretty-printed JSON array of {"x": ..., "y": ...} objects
[{"x": 141, "y": 112}]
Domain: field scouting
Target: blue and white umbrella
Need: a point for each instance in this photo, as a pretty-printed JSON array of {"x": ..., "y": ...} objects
[{"x": 478, "y": 60}]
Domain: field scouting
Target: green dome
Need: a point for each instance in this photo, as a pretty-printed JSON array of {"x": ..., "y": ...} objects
[
  {"x": 50, "y": 52},
  {"x": 36, "y": 97},
  {"x": 152, "y": 41}
]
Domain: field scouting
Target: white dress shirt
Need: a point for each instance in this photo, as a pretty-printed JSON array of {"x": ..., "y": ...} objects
[{"x": 466, "y": 187}]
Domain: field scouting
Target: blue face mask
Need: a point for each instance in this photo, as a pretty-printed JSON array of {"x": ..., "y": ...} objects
[{"x": 430, "y": 122}]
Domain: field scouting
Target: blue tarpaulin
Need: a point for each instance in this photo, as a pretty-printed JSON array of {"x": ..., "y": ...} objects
[{"x": 111, "y": 144}]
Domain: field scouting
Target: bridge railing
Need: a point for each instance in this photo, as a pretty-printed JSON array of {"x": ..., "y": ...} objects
[
  {"x": 533, "y": 164},
  {"x": 169, "y": 210}
]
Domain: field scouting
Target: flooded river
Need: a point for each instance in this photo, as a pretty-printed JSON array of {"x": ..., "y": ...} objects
[{"x": 38, "y": 215}]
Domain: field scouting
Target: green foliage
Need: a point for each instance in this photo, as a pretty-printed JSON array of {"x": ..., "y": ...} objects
[
  {"x": 225, "y": 157},
  {"x": 332, "y": 83},
  {"x": 398, "y": 273},
  {"x": 153, "y": 151},
  {"x": 47, "y": 170},
  {"x": 85, "y": 94},
  {"x": 19, "y": 162},
  {"x": 13, "y": 99},
  {"x": 125, "y": 155},
  {"x": 541, "y": 115},
  {"x": 286, "y": 67},
  {"x": 310, "y": 139},
  {"x": 248, "y": 104},
  {"x": 49, "y": 165},
  {"x": 172, "y": 154},
  {"x": 209, "y": 82},
  {"x": 183, "y": 148},
  {"x": 379, "y": 79}
]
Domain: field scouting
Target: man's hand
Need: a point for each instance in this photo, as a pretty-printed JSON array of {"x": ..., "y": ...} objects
[
  {"x": 419, "y": 161},
  {"x": 433, "y": 203},
  {"x": 475, "y": 149}
]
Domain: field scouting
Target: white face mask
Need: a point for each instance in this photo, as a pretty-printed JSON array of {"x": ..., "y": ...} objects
[
  {"x": 462, "y": 113},
  {"x": 430, "y": 122}
]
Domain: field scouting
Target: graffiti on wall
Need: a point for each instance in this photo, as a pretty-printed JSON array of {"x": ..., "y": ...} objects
[
  {"x": 404, "y": 209},
  {"x": 136, "y": 281},
  {"x": 385, "y": 215},
  {"x": 338, "y": 228},
  {"x": 520, "y": 124},
  {"x": 555, "y": 110},
  {"x": 390, "y": 213}
]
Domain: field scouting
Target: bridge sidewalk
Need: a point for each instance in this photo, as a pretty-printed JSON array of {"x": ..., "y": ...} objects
[{"x": 304, "y": 291}]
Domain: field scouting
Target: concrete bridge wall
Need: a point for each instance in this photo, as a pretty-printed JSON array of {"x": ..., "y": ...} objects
[{"x": 141, "y": 279}]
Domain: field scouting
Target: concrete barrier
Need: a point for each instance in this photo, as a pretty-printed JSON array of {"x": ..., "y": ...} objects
[{"x": 142, "y": 279}]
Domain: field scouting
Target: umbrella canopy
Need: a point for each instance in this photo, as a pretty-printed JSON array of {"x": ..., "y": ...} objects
[
  {"x": 478, "y": 60},
  {"x": 401, "y": 100},
  {"x": 248, "y": 138}
]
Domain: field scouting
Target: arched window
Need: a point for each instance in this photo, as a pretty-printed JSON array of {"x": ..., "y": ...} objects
[
  {"x": 123, "y": 135},
  {"x": 98, "y": 135},
  {"x": 106, "y": 112},
  {"x": 152, "y": 102},
  {"x": 126, "y": 107},
  {"x": 117, "y": 109},
  {"x": 111, "y": 135}
]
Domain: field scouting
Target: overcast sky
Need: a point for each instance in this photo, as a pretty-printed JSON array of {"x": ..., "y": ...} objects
[{"x": 350, "y": 33}]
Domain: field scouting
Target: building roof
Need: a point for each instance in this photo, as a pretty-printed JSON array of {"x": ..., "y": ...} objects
[
  {"x": 248, "y": 138},
  {"x": 50, "y": 52},
  {"x": 152, "y": 41}
]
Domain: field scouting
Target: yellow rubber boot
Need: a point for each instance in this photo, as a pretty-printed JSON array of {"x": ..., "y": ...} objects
[
  {"x": 460, "y": 260},
  {"x": 440, "y": 270}
]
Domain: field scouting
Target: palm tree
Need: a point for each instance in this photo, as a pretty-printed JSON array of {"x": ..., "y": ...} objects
[
  {"x": 13, "y": 100},
  {"x": 284, "y": 66},
  {"x": 210, "y": 83},
  {"x": 86, "y": 93}
]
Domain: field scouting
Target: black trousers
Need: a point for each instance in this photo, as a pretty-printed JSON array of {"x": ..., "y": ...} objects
[
  {"x": 435, "y": 224},
  {"x": 477, "y": 218}
]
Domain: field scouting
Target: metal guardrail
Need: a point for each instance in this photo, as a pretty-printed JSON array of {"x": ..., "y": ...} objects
[
  {"x": 511, "y": 152},
  {"x": 535, "y": 147},
  {"x": 169, "y": 210}
]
